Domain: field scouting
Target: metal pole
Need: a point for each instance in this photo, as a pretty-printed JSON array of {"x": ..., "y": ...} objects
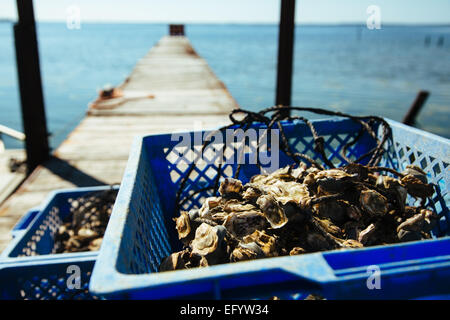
[
  {"x": 285, "y": 53},
  {"x": 31, "y": 96},
  {"x": 410, "y": 117}
]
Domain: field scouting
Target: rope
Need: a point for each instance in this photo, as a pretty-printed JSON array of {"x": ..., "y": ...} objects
[{"x": 272, "y": 117}]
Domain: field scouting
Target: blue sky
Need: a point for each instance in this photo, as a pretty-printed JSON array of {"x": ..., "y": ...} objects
[{"x": 237, "y": 11}]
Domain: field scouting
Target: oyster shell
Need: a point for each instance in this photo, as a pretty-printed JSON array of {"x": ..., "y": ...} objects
[
  {"x": 352, "y": 229},
  {"x": 365, "y": 235},
  {"x": 251, "y": 192},
  {"x": 353, "y": 212},
  {"x": 236, "y": 206},
  {"x": 266, "y": 242},
  {"x": 208, "y": 239},
  {"x": 416, "y": 187},
  {"x": 95, "y": 244},
  {"x": 296, "y": 251},
  {"x": 332, "y": 180},
  {"x": 175, "y": 261},
  {"x": 246, "y": 251},
  {"x": 373, "y": 202},
  {"x": 425, "y": 221},
  {"x": 293, "y": 211},
  {"x": 209, "y": 204},
  {"x": 329, "y": 227},
  {"x": 230, "y": 186},
  {"x": 272, "y": 211},
  {"x": 243, "y": 223},
  {"x": 416, "y": 172},
  {"x": 334, "y": 210},
  {"x": 183, "y": 225},
  {"x": 350, "y": 243},
  {"x": 408, "y": 235},
  {"x": 317, "y": 242}
]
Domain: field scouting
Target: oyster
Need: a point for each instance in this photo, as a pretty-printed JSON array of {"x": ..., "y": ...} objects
[
  {"x": 251, "y": 192},
  {"x": 373, "y": 202},
  {"x": 272, "y": 211},
  {"x": 230, "y": 187},
  {"x": 352, "y": 211},
  {"x": 425, "y": 220},
  {"x": 365, "y": 235},
  {"x": 430, "y": 219},
  {"x": 209, "y": 242},
  {"x": 352, "y": 229},
  {"x": 236, "y": 206},
  {"x": 246, "y": 251},
  {"x": 296, "y": 251},
  {"x": 331, "y": 181},
  {"x": 329, "y": 227},
  {"x": 266, "y": 242},
  {"x": 175, "y": 261},
  {"x": 334, "y": 210},
  {"x": 317, "y": 242},
  {"x": 350, "y": 243},
  {"x": 416, "y": 187},
  {"x": 407, "y": 235},
  {"x": 416, "y": 172},
  {"x": 355, "y": 168},
  {"x": 394, "y": 187},
  {"x": 183, "y": 225},
  {"x": 299, "y": 172},
  {"x": 292, "y": 211},
  {"x": 209, "y": 204},
  {"x": 243, "y": 223},
  {"x": 95, "y": 244}
]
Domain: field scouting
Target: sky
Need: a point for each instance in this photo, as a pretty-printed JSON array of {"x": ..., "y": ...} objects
[{"x": 236, "y": 11}]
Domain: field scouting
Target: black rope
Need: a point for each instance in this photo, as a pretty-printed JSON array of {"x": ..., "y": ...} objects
[{"x": 273, "y": 116}]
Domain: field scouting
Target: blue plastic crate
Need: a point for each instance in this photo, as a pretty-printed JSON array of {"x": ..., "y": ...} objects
[
  {"x": 29, "y": 269},
  {"x": 47, "y": 277},
  {"x": 141, "y": 231}
]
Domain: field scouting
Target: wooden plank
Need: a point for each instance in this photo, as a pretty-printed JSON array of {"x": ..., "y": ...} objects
[
  {"x": 9, "y": 181},
  {"x": 170, "y": 89}
]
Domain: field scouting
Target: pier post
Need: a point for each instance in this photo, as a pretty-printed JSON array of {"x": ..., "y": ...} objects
[
  {"x": 410, "y": 117},
  {"x": 30, "y": 84},
  {"x": 176, "y": 29},
  {"x": 285, "y": 53}
]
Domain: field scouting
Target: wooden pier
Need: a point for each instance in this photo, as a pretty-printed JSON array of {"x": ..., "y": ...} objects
[{"x": 170, "y": 89}]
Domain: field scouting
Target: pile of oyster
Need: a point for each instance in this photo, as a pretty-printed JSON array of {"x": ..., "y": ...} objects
[
  {"x": 297, "y": 210},
  {"x": 85, "y": 226}
]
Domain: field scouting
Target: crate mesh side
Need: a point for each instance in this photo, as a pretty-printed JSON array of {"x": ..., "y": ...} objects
[
  {"x": 400, "y": 155},
  {"x": 145, "y": 240},
  {"x": 49, "y": 282},
  {"x": 41, "y": 240}
]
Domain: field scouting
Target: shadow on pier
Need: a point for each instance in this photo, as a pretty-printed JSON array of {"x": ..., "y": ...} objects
[{"x": 68, "y": 172}]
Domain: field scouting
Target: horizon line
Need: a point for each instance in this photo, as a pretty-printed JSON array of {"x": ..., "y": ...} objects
[{"x": 343, "y": 23}]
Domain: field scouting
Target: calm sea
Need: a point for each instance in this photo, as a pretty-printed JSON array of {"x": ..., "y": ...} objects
[{"x": 346, "y": 68}]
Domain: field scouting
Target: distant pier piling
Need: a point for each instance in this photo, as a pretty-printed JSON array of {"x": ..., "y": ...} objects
[
  {"x": 176, "y": 29},
  {"x": 30, "y": 85},
  {"x": 410, "y": 117},
  {"x": 285, "y": 53}
]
